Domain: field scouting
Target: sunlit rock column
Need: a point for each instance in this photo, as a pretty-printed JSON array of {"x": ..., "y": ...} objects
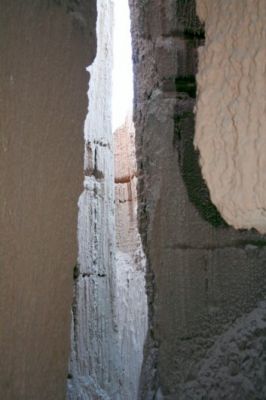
[
  {"x": 231, "y": 118},
  {"x": 44, "y": 49},
  {"x": 94, "y": 357}
]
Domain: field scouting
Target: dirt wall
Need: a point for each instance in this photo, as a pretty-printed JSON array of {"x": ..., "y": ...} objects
[
  {"x": 45, "y": 47},
  {"x": 203, "y": 277}
]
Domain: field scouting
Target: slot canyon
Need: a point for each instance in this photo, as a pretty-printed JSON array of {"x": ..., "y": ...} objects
[{"x": 133, "y": 256}]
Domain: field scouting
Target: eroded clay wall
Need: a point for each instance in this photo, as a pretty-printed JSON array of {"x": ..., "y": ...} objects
[
  {"x": 109, "y": 312},
  {"x": 204, "y": 279},
  {"x": 94, "y": 362},
  {"x": 44, "y": 48},
  {"x": 130, "y": 264},
  {"x": 231, "y": 119}
]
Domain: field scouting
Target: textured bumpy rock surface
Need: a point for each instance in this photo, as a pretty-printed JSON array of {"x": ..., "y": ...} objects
[
  {"x": 44, "y": 47},
  {"x": 110, "y": 305},
  {"x": 236, "y": 362},
  {"x": 231, "y": 119},
  {"x": 202, "y": 275}
]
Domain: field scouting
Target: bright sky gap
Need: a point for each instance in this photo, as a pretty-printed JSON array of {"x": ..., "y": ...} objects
[{"x": 122, "y": 65}]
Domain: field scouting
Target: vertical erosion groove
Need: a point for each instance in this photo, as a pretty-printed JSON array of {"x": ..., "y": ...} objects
[
  {"x": 109, "y": 314},
  {"x": 94, "y": 368}
]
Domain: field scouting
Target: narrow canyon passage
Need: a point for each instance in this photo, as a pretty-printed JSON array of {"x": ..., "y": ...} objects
[
  {"x": 109, "y": 315},
  {"x": 153, "y": 286}
]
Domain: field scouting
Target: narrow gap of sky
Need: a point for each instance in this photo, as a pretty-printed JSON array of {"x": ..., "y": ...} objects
[{"x": 122, "y": 102}]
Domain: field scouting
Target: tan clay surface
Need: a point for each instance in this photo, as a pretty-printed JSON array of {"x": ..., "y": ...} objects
[
  {"x": 231, "y": 118},
  {"x": 44, "y": 50}
]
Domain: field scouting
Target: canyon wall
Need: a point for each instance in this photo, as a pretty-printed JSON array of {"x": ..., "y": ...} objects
[
  {"x": 131, "y": 299},
  {"x": 109, "y": 312},
  {"x": 205, "y": 280},
  {"x": 231, "y": 119},
  {"x": 45, "y": 47},
  {"x": 94, "y": 370}
]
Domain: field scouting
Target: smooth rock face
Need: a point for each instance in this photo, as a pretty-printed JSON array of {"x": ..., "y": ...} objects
[
  {"x": 44, "y": 47},
  {"x": 202, "y": 275},
  {"x": 231, "y": 119}
]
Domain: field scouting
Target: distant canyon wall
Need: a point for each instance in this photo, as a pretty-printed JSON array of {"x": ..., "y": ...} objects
[{"x": 131, "y": 299}]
